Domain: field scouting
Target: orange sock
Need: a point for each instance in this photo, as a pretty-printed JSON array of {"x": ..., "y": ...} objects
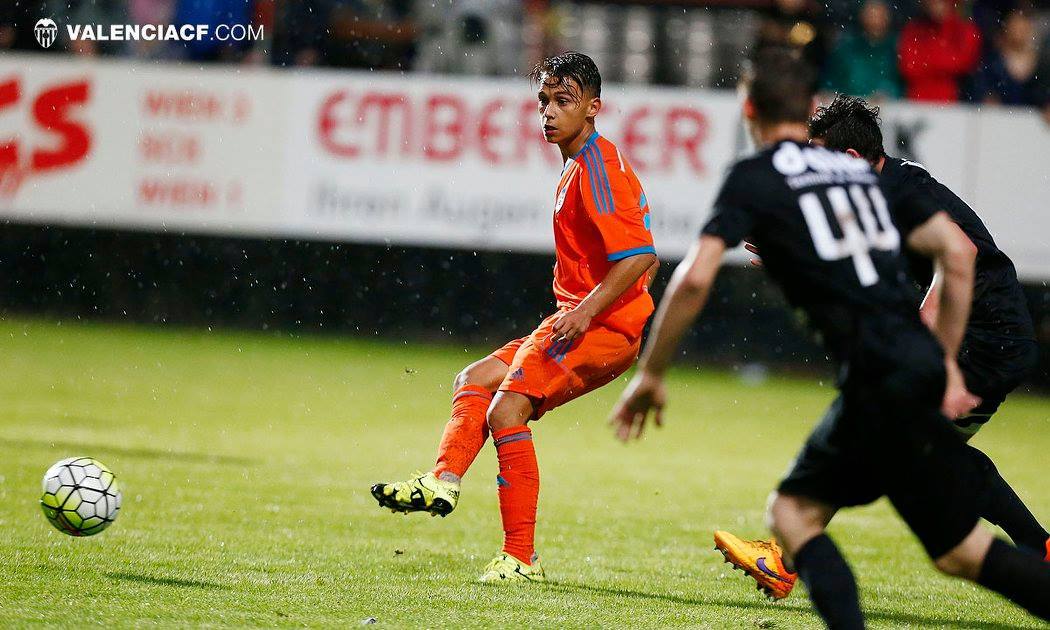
[
  {"x": 519, "y": 490},
  {"x": 465, "y": 433}
]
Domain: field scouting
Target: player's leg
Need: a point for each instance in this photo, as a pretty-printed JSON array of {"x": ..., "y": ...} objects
[
  {"x": 798, "y": 523},
  {"x": 543, "y": 375},
  {"x": 437, "y": 492},
  {"x": 1000, "y": 505},
  {"x": 996, "y": 565},
  {"x": 992, "y": 371},
  {"x": 828, "y": 473},
  {"x": 467, "y": 430},
  {"x": 519, "y": 488},
  {"x": 932, "y": 487}
]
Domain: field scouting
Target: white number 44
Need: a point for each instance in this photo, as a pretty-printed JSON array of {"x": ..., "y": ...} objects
[{"x": 864, "y": 220}]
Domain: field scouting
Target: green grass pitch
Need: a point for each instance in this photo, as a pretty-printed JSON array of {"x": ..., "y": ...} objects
[{"x": 245, "y": 461}]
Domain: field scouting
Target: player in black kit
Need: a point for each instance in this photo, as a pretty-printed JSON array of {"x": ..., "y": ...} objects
[
  {"x": 998, "y": 350},
  {"x": 827, "y": 238}
]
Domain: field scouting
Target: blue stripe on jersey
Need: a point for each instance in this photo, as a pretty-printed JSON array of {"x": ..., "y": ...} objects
[
  {"x": 610, "y": 205},
  {"x": 642, "y": 201},
  {"x": 590, "y": 141},
  {"x": 592, "y": 172},
  {"x": 627, "y": 253},
  {"x": 555, "y": 349},
  {"x": 564, "y": 350}
]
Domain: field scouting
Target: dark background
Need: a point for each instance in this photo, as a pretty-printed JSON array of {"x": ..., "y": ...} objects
[{"x": 480, "y": 299}]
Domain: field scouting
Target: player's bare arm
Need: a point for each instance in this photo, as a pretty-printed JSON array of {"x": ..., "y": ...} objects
[
  {"x": 944, "y": 241},
  {"x": 686, "y": 295},
  {"x": 929, "y": 309},
  {"x": 621, "y": 277},
  {"x": 954, "y": 254},
  {"x": 653, "y": 270}
]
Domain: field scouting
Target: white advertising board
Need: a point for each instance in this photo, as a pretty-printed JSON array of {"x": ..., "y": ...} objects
[{"x": 420, "y": 160}]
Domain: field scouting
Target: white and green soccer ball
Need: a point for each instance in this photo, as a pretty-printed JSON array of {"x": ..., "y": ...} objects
[{"x": 81, "y": 496}]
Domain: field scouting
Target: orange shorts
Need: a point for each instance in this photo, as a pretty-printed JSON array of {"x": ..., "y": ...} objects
[{"x": 553, "y": 373}]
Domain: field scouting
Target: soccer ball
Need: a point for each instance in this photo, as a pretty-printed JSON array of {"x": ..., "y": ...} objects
[{"x": 81, "y": 496}]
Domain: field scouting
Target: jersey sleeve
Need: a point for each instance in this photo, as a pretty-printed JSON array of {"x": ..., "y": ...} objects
[
  {"x": 619, "y": 210},
  {"x": 916, "y": 200},
  {"x": 732, "y": 218}
]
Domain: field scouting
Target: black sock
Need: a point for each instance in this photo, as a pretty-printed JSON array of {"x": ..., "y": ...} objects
[
  {"x": 1019, "y": 576},
  {"x": 830, "y": 582},
  {"x": 1001, "y": 505}
]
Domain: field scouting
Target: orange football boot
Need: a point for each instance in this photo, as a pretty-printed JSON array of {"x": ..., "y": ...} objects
[{"x": 761, "y": 559}]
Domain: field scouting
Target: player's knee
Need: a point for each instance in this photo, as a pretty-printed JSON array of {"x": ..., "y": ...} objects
[
  {"x": 498, "y": 420},
  {"x": 508, "y": 410},
  {"x": 480, "y": 375},
  {"x": 462, "y": 379}
]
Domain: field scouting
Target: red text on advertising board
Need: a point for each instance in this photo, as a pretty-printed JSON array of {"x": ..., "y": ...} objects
[
  {"x": 445, "y": 127},
  {"x": 55, "y": 110}
]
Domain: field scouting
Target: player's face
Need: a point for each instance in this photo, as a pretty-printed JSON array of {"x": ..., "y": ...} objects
[{"x": 564, "y": 109}]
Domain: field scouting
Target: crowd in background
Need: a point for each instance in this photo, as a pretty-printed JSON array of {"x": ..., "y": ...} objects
[{"x": 984, "y": 51}]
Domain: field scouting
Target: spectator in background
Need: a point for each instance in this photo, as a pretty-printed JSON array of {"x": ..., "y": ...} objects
[
  {"x": 300, "y": 32},
  {"x": 1041, "y": 81},
  {"x": 1007, "y": 74},
  {"x": 150, "y": 12},
  {"x": 988, "y": 15},
  {"x": 846, "y": 13},
  {"x": 17, "y": 19},
  {"x": 937, "y": 50},
  {"x": 794, "y": 24},
  {"x": 373, "y": 34},
  {"x": 864, "y": 63},
  {"x": 103, "y": 13},
  {"x": 213, "y": 13},
  {"x": 479, "y": 37}
]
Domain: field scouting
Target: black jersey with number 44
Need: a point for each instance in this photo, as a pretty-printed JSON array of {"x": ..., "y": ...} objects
[{"x": 826, "y": 236}]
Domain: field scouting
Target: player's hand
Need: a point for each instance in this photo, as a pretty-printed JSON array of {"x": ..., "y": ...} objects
[
  {"x": 751, "y": 247},
  {"x": 645, "y": 393},
  {"x": 958, "y": 401},
  {"x": 571, "y": 325}
]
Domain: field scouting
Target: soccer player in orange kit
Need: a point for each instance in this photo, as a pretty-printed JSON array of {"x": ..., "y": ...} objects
[{"x": 604, "y": 251}]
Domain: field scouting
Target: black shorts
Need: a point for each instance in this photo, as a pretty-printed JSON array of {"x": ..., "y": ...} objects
[
  {"x": 993, "y": 366},
  {"x": 884, "y": 436}
]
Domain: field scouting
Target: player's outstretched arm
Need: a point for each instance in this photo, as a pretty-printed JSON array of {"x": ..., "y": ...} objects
[{"x": 685, "y": 298}]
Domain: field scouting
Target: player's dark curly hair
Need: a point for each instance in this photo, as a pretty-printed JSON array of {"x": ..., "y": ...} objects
[
  {"x": 849, "y": 123},
  {"x": 781, "y": 86},
  {"x": 569, "y": 65}
]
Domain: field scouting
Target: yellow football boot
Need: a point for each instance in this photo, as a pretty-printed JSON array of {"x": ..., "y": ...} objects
[
  {"x": 424, "y": 493},
  {"x": 761, "y": 559},
  {"x": 507, "y": 568}
]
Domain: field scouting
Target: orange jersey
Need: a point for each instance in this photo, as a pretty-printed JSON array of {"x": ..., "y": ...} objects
[{"x": 601, "y": 216}]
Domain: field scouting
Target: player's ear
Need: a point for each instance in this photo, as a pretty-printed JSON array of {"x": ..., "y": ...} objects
[
  {"x": 749, "y": 109},
  {"x": 594, "y": 107},
  {"x": 853, "y": 153}
]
